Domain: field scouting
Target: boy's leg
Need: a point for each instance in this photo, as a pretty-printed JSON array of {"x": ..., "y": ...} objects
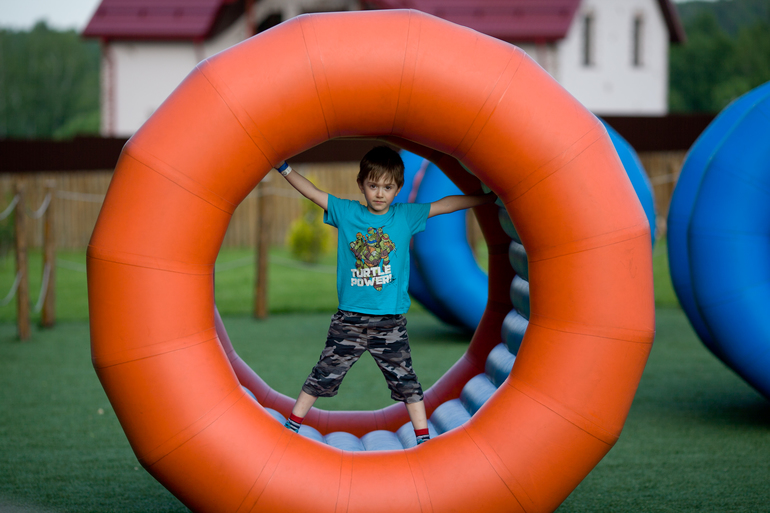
[
  {"x": 304, "y": 402},
  {"x": 342, "y": 350},
  {"x": 419, "y": 421},
  {"x": 417, "y": 415},
  {"x": 388, "y": 343}
]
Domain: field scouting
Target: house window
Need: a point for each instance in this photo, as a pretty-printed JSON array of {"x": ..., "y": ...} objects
[
  {"x": 589, "y": 24},
  {"x": 637, "y": 44}
]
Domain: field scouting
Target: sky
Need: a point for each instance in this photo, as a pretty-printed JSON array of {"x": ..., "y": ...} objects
[{"x": 59, "y": 14}]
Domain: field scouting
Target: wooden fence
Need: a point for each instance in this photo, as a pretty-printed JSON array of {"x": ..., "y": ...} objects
[
  {"x": 79, "y": 195},
  {"x": 78, "y": 198},
  {"x": 663, "y": 168}
]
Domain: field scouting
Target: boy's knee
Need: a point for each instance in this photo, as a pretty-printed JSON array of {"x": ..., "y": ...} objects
[
  {"x": 316, "y": 390},
  {"x": 406, "y": 391}
]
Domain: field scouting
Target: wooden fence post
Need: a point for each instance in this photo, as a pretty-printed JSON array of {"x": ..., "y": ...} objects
[
  {"x": 48, "y": 316},
  {"x": 22, "y": 292},
  {"x": 262, "y": 253}
]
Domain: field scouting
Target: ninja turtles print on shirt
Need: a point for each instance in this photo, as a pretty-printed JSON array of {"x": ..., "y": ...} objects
[{"x": 373, "y": 254}]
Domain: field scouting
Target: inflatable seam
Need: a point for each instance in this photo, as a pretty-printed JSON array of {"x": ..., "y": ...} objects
[
  {"x": 600, "y": 241},
  {"x": 178, "y": 178},
  {"x": 408, "y": 72},
  {"x": 240, "y": 114},
  {"x": 266, "y": 473},
  {"x": 323, "y": 91},
  {"x": 418, "y": 478},
  {"x": 158, "y": 349},
  {"x": 488, "y": 108},
  {"x": 345, "y": 480},
  {"x": 563, "y": 411},
  {"x": 120, "y": 258},
  {"x": 148, "y": 262},
  {"x": 557, "y": 163},
  {"x": 196, "y": 427},
  {"x": 634, "y": 336},
  {"x": 501, "y": 469}
]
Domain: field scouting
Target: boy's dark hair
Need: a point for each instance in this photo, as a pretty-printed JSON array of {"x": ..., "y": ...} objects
[{"x": 379, "y": 162}]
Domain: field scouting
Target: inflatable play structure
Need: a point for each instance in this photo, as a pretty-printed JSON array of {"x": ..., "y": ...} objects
[
  {"x": 442, "y": 250},
  {"x": 446, "y": 93},
  {"x": 718, "y": 247},
  {"x": 636, "y": 173},
  {"x": 444, "y": 277}
]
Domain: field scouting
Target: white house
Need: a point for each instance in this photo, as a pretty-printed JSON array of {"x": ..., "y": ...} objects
[{"x": 612, "y": 55}]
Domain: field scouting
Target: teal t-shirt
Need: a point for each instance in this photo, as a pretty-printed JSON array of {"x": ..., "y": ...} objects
[{"x": 373, "y": 254}]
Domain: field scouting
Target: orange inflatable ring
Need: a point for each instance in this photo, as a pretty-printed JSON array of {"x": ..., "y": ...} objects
[{"x": 450, "y": 93}]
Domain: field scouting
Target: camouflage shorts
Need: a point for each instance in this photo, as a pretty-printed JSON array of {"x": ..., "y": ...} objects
[{"x": 350, "y": 334}]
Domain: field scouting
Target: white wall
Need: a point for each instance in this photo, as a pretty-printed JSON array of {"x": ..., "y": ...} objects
[
  {"x": 612, "y": 85},
  {"x": 292, "y": 8},
  {"x": 137, "y": 76}
]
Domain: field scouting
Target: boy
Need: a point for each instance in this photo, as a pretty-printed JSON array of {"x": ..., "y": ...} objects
[{"x": 372, "y": 282}]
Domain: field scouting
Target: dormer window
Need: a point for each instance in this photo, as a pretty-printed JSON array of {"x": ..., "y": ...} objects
[
  {"x": 589, "y": 23},
  {"x": 637, "y": 41}
]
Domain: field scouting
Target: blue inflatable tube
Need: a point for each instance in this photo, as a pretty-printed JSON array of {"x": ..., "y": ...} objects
[
  {"x": 683, "y": 202},
  {"x": 727, "y": 236},
  {"x": 414, "y": 170},
  {"x": 444, "y": 258}
]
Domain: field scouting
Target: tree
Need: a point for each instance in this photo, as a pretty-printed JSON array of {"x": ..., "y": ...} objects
[
  {"x": 700, "y": 65},
  {"x": 732, "y": 15},
  {"x": 49, "y": 83},
  {"x": 715, "y": 66}
]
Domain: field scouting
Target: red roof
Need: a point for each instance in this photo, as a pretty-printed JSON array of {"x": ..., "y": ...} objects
[
  {"x": 510, "y": 20},
  {"x": 156, "y": 19},
  {"x": 517, "y": 20}
]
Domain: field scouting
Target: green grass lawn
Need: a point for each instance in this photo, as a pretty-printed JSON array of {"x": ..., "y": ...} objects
[
  {"x": 697, "y": 437},
  {"x": 62, "y": 448},
  {"x": 664, "y": 290},
  {"x": 234, "y": 284}
]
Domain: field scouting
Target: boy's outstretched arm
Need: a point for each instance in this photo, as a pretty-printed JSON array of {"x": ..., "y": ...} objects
[
  {"x": 449, "y": 204},
  {"x": 304, "y": 186}
]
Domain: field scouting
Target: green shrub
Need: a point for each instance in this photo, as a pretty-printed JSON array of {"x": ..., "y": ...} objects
[{"x": 308, "y": 235}]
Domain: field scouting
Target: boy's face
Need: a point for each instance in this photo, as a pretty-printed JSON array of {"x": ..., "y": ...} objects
[{"x": 379, "y": 194}]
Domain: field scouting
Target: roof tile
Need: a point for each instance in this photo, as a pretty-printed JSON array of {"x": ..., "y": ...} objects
[
  {"x": 154, "y": 19},
  {"x": 511, "y": 20}
]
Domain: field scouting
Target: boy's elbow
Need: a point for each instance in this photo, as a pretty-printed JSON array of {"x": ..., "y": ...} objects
[
  {"x": 321, "y": 199},
  {"x": 437, "y": 208}
]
